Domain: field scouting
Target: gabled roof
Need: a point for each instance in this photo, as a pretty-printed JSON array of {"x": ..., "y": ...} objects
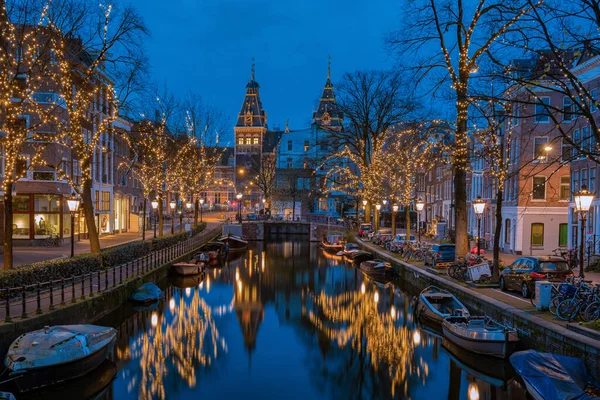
[
  {"x": 252, "y": 113},
  {"x": 328, "y": 113}
]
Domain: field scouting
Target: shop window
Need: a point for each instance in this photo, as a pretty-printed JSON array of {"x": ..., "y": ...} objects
[
  {"x": 20, "y": 204},
  {"x": 21, "y": 225},
  {"x": 537, "y": 235},
  {"x": 46, "y": 225},
  {"x": 46, "y": 203}
]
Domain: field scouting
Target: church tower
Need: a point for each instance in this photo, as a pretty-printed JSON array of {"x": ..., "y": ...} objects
[
  {"x": 328, "y": 115},
  {"x": 251, "y": 124}
]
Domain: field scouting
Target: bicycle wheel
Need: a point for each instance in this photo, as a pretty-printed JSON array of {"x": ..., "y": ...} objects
[
  {"x": 567, "y": 309},
  {"x": 592, "y": 311},
  {"x": 554, "y": 304},
  {"x": 533, "y": 299}
]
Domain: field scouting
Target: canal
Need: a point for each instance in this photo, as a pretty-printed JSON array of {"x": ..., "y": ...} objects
[{"x": 286, "y": 320}]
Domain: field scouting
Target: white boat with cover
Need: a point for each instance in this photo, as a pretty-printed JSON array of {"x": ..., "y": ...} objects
[
  {"x": 481, "y": 335},
  {"x": 56, "y": 354},
  {"x": 436, "y": 304}
]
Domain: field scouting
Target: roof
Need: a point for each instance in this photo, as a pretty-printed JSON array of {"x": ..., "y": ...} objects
[
  {"x": 328, "y": 113},
  {"x": 271, "y": 140},
  {"x": 252, "y": 113}
]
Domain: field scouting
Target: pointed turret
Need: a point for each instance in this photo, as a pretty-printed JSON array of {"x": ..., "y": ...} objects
[
  {"x": 328, "y": 114},
  {"x": 252, "y": 113}
]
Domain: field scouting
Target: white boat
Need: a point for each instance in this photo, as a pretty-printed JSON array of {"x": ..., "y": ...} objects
[
  {"x": 189, "y": 268},
  {"x": 333, "y": 242},
  {"x": 57, "y": 354},
  {"x": 349, "y": 249},
  {"x": 436, "y": 304},
  {"x": 481, "y": 335}
]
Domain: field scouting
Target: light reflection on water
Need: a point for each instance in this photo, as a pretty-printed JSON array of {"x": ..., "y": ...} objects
[{"x": 285, "y": 320}]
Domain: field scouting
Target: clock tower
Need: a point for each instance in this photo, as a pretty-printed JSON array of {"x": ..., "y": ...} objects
[{"x": 328, "y": 115}]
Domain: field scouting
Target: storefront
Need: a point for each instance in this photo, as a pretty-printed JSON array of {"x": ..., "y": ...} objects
[
  {"x": 121, "y": 210},
  {"x": 40, "y": 216}
]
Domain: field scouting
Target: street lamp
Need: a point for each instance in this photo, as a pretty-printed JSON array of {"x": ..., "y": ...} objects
[
  {"x": 583, "y": 201},
  {"x": 188, "y": 205},
  {"x": 239, "y": 198},
  {"x": 377, "y": 208},
  {"x": 478, "y": 207},
  {"x": 154, "y": 204},
  {"x": 73, "y": 203},
  {"x": 172, "y": 204},
  {"x": 419, "y": 204},
  {"x": 394, "y": 211},
  {"x": 201, "y": 203}
]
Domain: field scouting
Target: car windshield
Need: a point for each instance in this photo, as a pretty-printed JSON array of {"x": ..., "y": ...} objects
[{"x": 554, "y": 266}]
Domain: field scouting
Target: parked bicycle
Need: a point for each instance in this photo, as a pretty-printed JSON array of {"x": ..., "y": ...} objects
[{"x": 52, "y": 241}]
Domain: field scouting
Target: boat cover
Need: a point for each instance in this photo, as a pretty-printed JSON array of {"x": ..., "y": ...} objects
[
  {"x": 554, "y": 377},
  {"x": 334, "y": 238},
  {"x": 147, "y": 292}
]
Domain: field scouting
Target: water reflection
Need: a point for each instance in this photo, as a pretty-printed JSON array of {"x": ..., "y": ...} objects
[{"x": 287, "y": 320}]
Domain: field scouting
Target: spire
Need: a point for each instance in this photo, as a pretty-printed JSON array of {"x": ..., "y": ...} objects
[
  {"x": 328, "y": 114},
  {"x": 329, "y": 68},
  {"x": 252, "y": 113},
  {"x": 253, "y": 66}
]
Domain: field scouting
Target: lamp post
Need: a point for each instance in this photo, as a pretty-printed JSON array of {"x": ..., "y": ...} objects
[
  {"x": 239, "y": 198},
  {"x": 365, "y": 210},
  {"x": 188, "y": 205},
  {"x": 384, "y": 207},
  {"x": 73, "y": 203},
  {"x": 172, "y": 204},
  {"x": 419, "y": 204},
  {"x": 478, "y": 207},
  {"x": 201, "y": 203},
  {"x": 394, "y": 211},
  {"x": 154, "y": 204},
  {"x": 377, "y": 208},
  {"x": 263, "y": 205},
  {"x": 583, "y": 201}
]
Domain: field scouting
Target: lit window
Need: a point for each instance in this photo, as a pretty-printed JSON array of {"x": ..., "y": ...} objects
[
  {"x": 537, "y": 234},
  {"x": 306, "y": 145},
  {"x": 540, "y": 144}
]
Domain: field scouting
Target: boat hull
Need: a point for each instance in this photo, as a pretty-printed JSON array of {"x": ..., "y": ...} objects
[
  {"x": 35, "y": 378},
  {"x": 188, "y": 269},
  {"x": 235, "y": 244},
  {"x": 492, "y": 347},
  {"x": 332, "y": 248}
]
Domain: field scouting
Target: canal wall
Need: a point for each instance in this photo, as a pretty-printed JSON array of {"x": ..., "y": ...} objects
[
  {"x": 534, "y": 332},
  {"x": 87, "y": 310}
]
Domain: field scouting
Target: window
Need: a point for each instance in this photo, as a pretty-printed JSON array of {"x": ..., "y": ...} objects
[
  {"x": 105, "y": 201},
  {"x": 592, "y": 184},
  {"x": 255, "y": 140},
  {"x": 289, "y": 163},
  {"x": 585, "y": 138},
  {"x": 539, "y": 188},
  {"x": 542, "y": 113},
  {"x": 567, "y": 109},
  {"x": 576, "y": 142},
  {"x": 97, "y": 200},
  {"x": 563, "y": 234},
  {"x": 574, "y": 181},
  {"x": 248, "y": 140},
  {"x": 593, "y": 100},
  {"x": 539, "y": 151},
  {"x": 306, "y": 145},
  {"x": 43, "y": 175},
  {"x": 565, "y": 188},
  {"x": 584, "y": 177},
  {"x": 507, "y": 231},
  {"x": 305, "y": 165},
  {"x": 240, "y": 140},
  {"x": 565, "y": 151},
  {"x": 537, "y": 234},
  {"x": 289, "y": 145}
]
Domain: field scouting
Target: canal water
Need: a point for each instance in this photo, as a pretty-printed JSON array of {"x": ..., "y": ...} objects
[{"x": 287, "y": 320}]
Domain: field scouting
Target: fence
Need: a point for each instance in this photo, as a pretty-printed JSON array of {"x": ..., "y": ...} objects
[{"x": 48, "y": 295}]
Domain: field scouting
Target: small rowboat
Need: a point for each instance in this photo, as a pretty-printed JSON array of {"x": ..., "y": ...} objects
[
  {"x": 377, "y": 268},
  {"x": 57, "y": 354},
  {"x": 435, "y": 304},
  {"x": 333, "y": 243},
  {"x": 359, "y": 256},
  {"x": 234, "y": 242},
  {"x": 481, "y": 335},
  {"x": 190, "y": 268}
]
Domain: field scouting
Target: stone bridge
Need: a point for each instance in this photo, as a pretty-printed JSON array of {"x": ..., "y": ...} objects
[{"x": 262, "y": 230}]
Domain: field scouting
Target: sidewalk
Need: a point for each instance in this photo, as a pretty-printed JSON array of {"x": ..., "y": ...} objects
[{"x": 31, "y": 254}]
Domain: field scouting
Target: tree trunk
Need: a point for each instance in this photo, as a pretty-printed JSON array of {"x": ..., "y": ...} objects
[
  {"x": 144, "y": 220},
  {"x": 496, "y": 263},
  {"x": 407, "y": 209},
  {"x": 461, "y": 158},
  {"x": 88, "y": 212},
  {"x": 160, "y": 215},
  {"x": 8, "y": 227},
  {"x": 368, "y": 213},
  {"x": 196, "y": 207}
]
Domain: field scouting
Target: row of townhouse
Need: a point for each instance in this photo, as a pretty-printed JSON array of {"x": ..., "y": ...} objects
[{"x": 543, "y": 172}]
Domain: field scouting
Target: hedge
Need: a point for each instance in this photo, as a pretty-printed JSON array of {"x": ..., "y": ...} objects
[{"x": 45, "y": 271}]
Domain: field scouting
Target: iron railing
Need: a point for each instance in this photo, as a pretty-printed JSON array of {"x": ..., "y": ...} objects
[{"x": 46, "y": 296}]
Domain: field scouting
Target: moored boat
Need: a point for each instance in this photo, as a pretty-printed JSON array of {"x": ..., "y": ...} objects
[
  {"x": 552, "y": 377},
  {"x": 377, "y": 268},
  {"x": 192, "y": 267},
  {"x": 147, "y": 293},
  {"x": 481, "y": 335},
  {"x": 57, "y": 354},
  {"x": 213, "y": 250},
  {"x": 359, "y": 256},
  {"x": 333, "y": 242},
  {"x": 234, "y": 242},
  {"x": 348, "y": 250},
  {"x": 435, "y": 304}
]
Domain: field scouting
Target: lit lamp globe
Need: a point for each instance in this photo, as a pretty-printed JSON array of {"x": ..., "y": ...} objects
[
  {"x": 154, "y": 204},
  {"x": 365, "y": 203},
  {"x": 264, "y": 201},
  {"x": 378, "y": 207},
  {"x": 420, "y": 204},
  {"x": 188, "y": 205},
  {"x": 384, "y": 202},
  {"x": 201, "y": 201},
  {"x": 583, "y": 199},
  {"x": 238, "y": 196},
  {"x": 395, "y": 207},
  {"x": 172, "y": 204},
  {"x": 73, "y": 203},
  {"x": 478, "y": 206}
]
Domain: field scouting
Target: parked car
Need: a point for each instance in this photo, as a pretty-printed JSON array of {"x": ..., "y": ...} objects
[
  {"x": 364, "y": 229},
  {"x": 522, "y": 274},
  {"x": 440, "y": 255}
]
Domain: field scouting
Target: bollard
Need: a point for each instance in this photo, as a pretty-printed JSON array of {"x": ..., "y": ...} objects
[
  {"x": 7, "y": 317},
  {"x": 62, "y": 291},
  {"x": 51, "y": 296},
  {"x": 73, "y": 299},
  {"x": 39, "y": 299},
  {"x": 23, "y": 304}
]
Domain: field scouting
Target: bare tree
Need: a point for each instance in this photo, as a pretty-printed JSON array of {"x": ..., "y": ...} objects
[{"x": 464, "y": 32}]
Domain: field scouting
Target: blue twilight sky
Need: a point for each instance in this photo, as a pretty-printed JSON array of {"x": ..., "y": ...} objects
[{"x": 206, "y": 47}]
